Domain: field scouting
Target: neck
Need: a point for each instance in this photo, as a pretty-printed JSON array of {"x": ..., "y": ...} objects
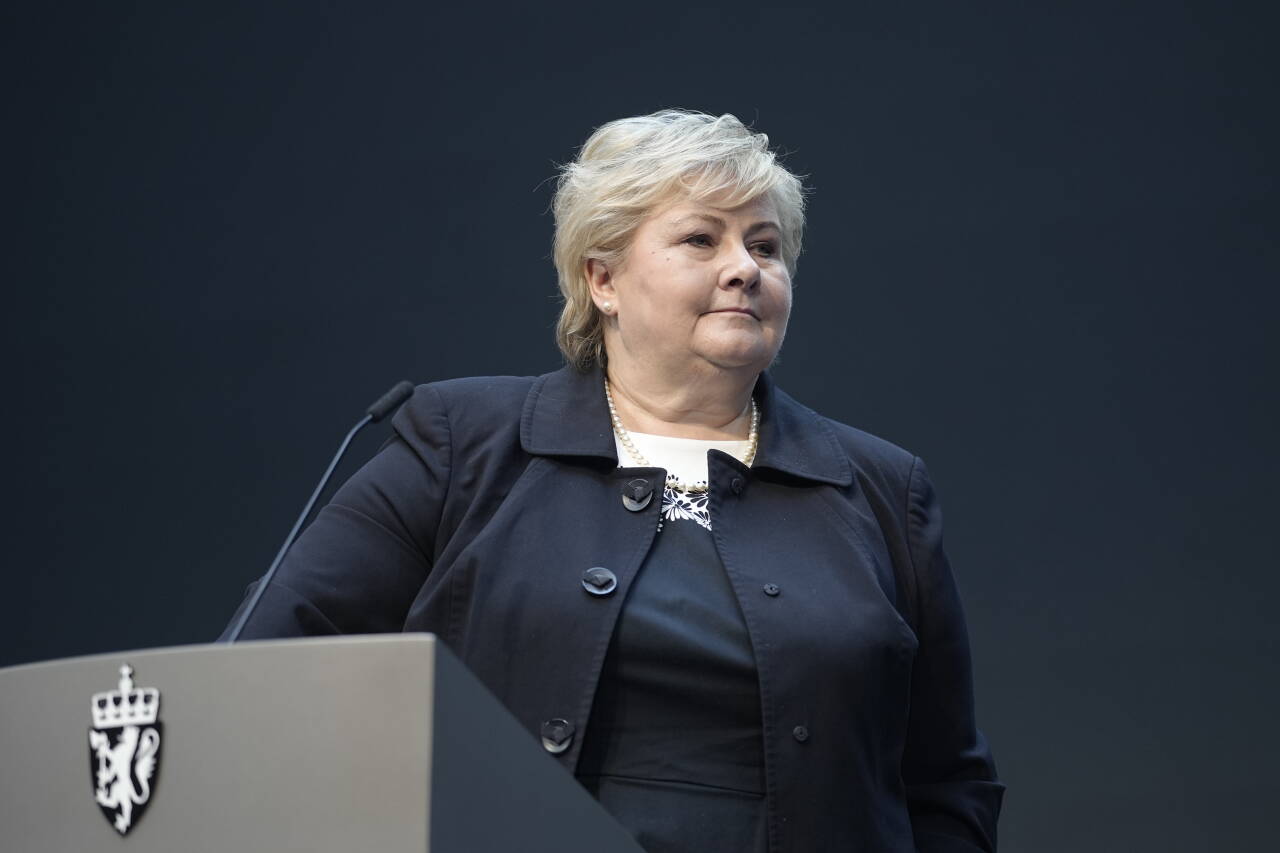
[{"x": 711, "y": 405}]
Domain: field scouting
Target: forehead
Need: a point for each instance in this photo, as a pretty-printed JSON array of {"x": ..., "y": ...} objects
[{"x": 680, "y": 211}]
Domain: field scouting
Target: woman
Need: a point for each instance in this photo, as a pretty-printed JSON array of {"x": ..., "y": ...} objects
[{"x": 731, "y": 617}]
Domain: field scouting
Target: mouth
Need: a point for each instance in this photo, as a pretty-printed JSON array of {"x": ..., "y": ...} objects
[{"x": 746, "y": 311}]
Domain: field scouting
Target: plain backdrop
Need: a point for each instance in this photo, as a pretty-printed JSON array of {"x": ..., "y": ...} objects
[{"x": 1042, "y": 254}]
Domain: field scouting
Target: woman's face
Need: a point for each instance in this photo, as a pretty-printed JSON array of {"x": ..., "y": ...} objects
[{"x": 700, "y": 282}]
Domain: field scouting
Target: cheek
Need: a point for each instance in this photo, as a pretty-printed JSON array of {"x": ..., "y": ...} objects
[{"x": 782, "y": 301}]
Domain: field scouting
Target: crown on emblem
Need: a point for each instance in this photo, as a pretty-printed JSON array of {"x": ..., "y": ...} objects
[{"x": 127, "y": 706}]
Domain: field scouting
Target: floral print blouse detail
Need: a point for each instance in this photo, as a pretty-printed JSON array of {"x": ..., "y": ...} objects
[{"x": 680, "y": 504}]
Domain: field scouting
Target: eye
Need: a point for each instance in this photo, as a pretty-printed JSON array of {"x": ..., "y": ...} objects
[
  {"x": 699, "y": 240},
  {"x": 765, "y": 248}
]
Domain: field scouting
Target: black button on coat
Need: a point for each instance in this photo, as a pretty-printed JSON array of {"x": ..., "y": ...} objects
[{"x": 478, "y": 517}]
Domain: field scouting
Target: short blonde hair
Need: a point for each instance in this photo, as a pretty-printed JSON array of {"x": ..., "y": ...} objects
[{"x": 629, "y": 167}]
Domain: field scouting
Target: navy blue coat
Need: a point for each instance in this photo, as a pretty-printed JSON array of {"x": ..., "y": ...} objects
[{"x": 478, "y": 518}]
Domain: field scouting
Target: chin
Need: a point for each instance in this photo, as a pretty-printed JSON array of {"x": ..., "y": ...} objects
[
  {"x": 757, "y": 358},
  {"x": 738, "y": 352}
]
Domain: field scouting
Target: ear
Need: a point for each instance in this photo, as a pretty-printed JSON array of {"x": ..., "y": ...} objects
[{"x": 600, "y": 282}]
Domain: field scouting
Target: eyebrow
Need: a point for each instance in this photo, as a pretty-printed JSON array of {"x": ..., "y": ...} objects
[{"x": 720, "y": 223}]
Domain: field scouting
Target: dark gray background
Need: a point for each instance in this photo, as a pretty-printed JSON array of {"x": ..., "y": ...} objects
[{"x": 1042, "y": 255}]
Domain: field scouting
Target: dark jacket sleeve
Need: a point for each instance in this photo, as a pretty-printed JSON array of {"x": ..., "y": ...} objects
[
  {"x": 952, "y": 791},
  {"x": 357, "y": 568}
]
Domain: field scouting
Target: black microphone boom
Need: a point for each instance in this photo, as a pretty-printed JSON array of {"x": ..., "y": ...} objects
[{"x": 385, "y": 405}]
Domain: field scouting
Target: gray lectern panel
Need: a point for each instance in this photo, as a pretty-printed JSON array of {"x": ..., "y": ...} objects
[
  {"x": 298, "y": 745},
  {"x": 316, "y": 745}
]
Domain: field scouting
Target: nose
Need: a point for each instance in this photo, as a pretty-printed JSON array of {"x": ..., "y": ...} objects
[{"x": 740, "y": 270}]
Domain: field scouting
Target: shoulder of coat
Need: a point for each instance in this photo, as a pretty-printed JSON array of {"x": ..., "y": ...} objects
[
  {"x": 469, "y": 404},
  {"x": 483, "y": 391},
  {"x": 481, "y": 399},
  {"x": 871, "y": 454}
]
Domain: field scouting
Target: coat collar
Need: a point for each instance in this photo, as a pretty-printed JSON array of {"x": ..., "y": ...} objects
[{"x": 566, "y": 414}]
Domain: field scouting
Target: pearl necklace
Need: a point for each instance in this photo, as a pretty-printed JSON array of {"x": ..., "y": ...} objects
[{"x": 624, "y": 438}]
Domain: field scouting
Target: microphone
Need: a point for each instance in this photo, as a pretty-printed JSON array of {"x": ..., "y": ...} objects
[
  {"x": 383, "y": 406},
  {"x": 389, "y": 402}
]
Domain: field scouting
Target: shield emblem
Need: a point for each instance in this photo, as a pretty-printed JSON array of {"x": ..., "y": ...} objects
[{"x": 124, "y": 750}]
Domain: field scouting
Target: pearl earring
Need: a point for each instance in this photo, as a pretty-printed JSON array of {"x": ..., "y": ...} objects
[{"x": 606, "y": 307}]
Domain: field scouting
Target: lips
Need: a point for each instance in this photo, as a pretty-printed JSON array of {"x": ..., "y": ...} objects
[{"x": 746, "y": 311}]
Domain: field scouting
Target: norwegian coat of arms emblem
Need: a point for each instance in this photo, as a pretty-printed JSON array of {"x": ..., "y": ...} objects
[{"x": 124, "y": 750}]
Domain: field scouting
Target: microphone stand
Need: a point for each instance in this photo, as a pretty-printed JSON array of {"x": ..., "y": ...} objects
[{"x": 385, "y": 405}]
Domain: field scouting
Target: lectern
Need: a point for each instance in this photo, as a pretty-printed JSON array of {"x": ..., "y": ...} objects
[{"x": 381, "y": 743}]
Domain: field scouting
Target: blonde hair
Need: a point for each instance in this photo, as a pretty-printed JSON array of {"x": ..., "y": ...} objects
[{"x": 629, "y": 167}]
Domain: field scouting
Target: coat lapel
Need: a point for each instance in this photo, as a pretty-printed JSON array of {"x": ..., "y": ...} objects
[{"x": 566, "y": 414}]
